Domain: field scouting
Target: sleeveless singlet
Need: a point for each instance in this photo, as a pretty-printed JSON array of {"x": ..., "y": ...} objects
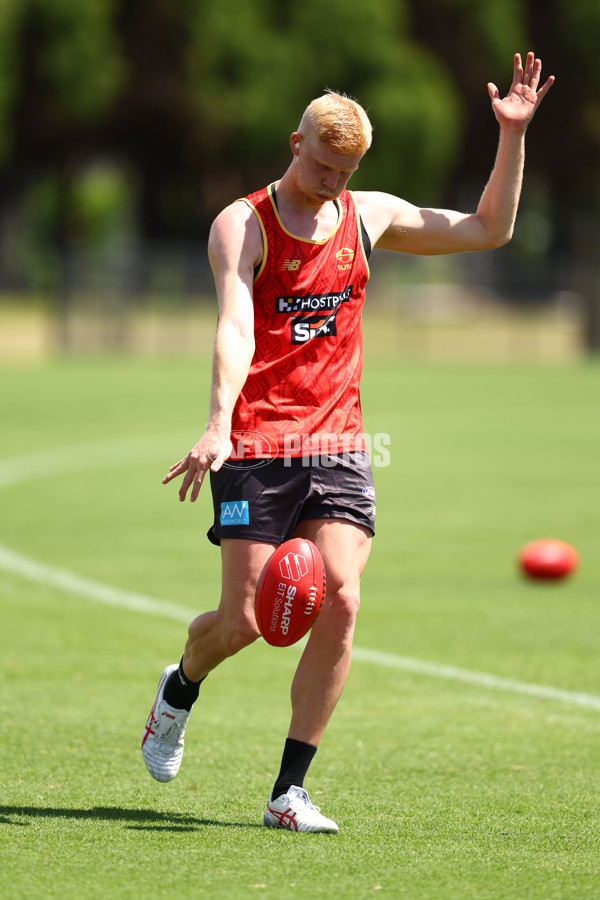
[{"x": 301, "y": 396}]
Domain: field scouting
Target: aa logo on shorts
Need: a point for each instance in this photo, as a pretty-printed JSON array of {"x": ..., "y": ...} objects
[
  {"x": 235, "y": 512},
  {"x": 293, "y": 567}
]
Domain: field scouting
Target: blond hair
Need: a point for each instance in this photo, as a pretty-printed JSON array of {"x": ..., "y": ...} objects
[{"x": 340, "y": 122}]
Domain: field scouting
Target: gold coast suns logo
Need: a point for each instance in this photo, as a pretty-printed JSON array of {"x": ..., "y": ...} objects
[{"x": 344, "y": 258}]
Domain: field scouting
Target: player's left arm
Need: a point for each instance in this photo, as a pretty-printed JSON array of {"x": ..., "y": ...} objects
[{"x": 395, "y": 224}]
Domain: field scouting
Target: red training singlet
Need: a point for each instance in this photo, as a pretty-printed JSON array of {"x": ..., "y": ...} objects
[{"x": 301, "y": 396}]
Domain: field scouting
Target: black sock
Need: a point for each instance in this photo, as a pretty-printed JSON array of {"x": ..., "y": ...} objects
[
  {"x": 180, "y": 692},
  {"x": 297, "y": 757}
]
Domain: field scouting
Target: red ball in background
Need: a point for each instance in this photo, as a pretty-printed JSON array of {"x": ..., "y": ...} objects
[
  {"x": 548, "y": 559},
  {"x": 290, "y": 592}
]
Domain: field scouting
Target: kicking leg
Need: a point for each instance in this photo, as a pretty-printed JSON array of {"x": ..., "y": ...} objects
[{"x": 213, "y": 636}]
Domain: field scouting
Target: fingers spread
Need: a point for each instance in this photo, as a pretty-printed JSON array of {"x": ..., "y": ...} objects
[
  {"x": 533, "y": 72},
  {"x": 546, "y": 87},
  {"x": 197, "y": 485},
  {"x": 185, "y": 484},
  {"x": 177, "y": 469},
  {"x": 208, "y": 453},
  {"x": 518, "y": 72}
]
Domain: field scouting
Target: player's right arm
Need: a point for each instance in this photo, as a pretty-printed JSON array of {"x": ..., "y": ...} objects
[
  {"x": 235, "y": 247},
  {"x": 394, "y": 224}
]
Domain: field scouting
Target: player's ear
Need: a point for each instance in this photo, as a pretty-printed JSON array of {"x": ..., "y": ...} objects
[{"x": 295, "y": 141}]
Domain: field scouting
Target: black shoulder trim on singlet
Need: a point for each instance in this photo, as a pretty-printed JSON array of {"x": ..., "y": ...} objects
[{"x": 365, "y": 238}]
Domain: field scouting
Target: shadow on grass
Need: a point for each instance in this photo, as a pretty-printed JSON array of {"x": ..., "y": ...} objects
[{"x": 135, "y": 819}]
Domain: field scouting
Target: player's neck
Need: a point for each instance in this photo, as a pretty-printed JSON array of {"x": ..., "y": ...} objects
[{"x": 303, "y": 215}]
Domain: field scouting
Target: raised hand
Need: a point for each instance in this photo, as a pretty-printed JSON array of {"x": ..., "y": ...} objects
[{"x": 516, "y": 110}]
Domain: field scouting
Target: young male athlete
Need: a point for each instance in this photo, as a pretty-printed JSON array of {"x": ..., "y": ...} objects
[{"x": 283, "y": 441}]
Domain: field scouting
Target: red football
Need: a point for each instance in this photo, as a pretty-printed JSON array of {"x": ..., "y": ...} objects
[
  {"x": 290, "y": 592},
  {"x": 548, "y": 559}
]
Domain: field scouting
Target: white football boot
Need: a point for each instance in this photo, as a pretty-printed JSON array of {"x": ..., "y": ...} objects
[
  {"x": 162, "y": 744},
  {"x": 295, "y": 812}
]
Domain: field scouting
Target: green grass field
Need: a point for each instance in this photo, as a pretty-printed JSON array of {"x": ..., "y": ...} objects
[{"x": 446, "y": 786}]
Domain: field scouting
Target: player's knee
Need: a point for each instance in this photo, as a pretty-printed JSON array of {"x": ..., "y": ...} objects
[
  {"x": 346, "y": 600},
  {"x": 341, "y": 609}
]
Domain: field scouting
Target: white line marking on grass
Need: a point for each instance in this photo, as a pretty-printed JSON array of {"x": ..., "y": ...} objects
[
  {"x": 50, "y": 576},
  {"x": 124, "y": 451},
  {"x": 480, "y": 679},
  {"x": 66, "y": 581},
  {"x": 89, "y": 456}
]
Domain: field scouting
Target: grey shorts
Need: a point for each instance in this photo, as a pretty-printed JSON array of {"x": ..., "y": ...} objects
[{"x": 264, "y": 500}]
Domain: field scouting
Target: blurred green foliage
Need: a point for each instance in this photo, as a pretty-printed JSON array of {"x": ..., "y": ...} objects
[
  {"x": 482, "y": 31},
  {"x": 254, "y": 67},
  {"x": 580, "y": 24},
  {"x": 77, "y": 56},
  {"x": 198, "y": 98},
  {"x": 94, "y": 210},
  {"x": 8, "y": 73}
]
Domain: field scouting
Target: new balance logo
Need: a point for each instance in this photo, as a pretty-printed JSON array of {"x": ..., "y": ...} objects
[
  {"x": 291, "y": 265},
  {"x": 293, "y": 567}
]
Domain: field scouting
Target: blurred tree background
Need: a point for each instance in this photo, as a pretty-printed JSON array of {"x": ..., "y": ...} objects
[{"x": 128, "y": 124}]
